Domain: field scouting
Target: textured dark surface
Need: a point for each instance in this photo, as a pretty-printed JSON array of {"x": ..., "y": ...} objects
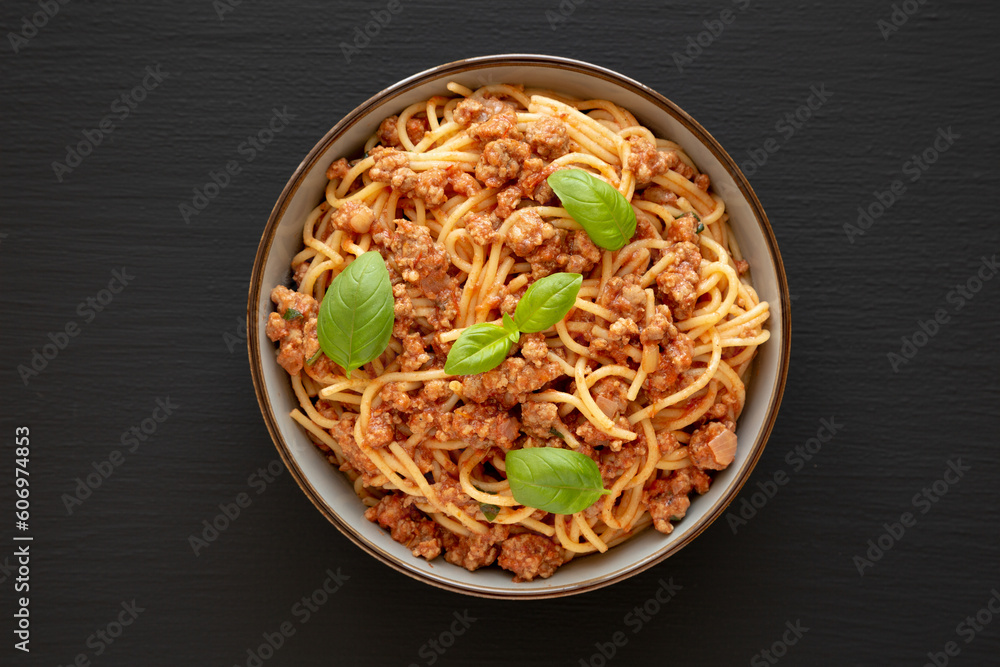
[{"x": 173, "y": 332}]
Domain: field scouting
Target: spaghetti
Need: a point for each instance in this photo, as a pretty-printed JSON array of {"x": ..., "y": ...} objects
[{"x": 645, "y": 374}]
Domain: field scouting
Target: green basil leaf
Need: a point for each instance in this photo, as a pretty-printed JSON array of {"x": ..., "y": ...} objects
[
  {"x": 560, "y": 481},
  {"x": 547, "y": 301},
  {"x": 489, "y": 511},
  {"x": 312, "y": 360},
  {"x": 511, "y": 328},
  {"x": 600, "y": 209},
  {"x": 556, "y": 434},
  {"x": 356, "y": 315},
  {"x": 479, "y": 348},
  {"x": 291, "y": 314},
  {"x": 700, "y": 228}
]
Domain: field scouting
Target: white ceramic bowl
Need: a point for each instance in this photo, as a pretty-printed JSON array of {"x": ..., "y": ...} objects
[{"x": 331, "y": 491}]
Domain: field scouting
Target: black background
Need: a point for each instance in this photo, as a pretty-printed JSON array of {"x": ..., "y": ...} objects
[{"x": 173, "y": 332}]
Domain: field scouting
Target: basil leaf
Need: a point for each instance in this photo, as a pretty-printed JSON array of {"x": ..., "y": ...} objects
[
  {"x": 560, "y": 481},
  {"x": 489, "y": 511},
  {"x": 291, "y": 314},
  {"x": 556, "y": 434},
  {"x": 356, "y": 315},
  {"x": 700, "y": 228},
  {"x": 547, "y": 301},
  {"x": 511, "y": 328},
  {"x": 479, "y": 348},
  {"x": 312, "y": 360},
  {"x": 600, "y": 209}
]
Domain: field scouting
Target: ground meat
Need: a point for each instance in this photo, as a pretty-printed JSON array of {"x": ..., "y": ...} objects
[
  {"x": 611, "y": 395},
  {"x": 675, "y": 358},
  {"x": 534, "y": 171},
  {"x": 502, "y": 125},
  {"x": 488, "y": 119},
  {"x": 475, "y": 551},
  {"x": 712, "y": 447},
  {"x": 539, "y": 419},
  {"x": 421, "y": 260},
  {"x": 582, "y": 254},
  {"x": 742, "y": 266},
  {"x": 430, "y": 187},
  {"x": 381, "y": 427},
  {"x": 594, "y": 437},
  {"x": 392, "y": 395},
  {"x": 393, "y": 167},
  {"x": 510, "y": 382},
  {"x": 572, "y": 252},
  {"x": 679, "y": 279},
  {"x": 528, "y": 232},
  {"x": 533, "y": 348},
  {"x": 614, "y": 464},
  {"x": 528, "y": 555},
  {"x": 624, "y": 297},
  {"x": 664, "y": 507},
  {"x": 481, "y": 228},
  {"x": 387, "y": 134},
  {"x": 680, "y": 230},
  {"x": 547, "y": 137},
  {"x": 667, "y": 498},
  {"x": 620, "y": 334},
  {"x": 407, "y": 525},
  {"x": 355, "y": 459},
  {"x": 403, "y": 311},
  {"x": 507, "y": 201},
  {"x": 413, "y": 356},
  {"x": 291, "y": 332},
  {"x": 353, "y": 216},
  {"x": 449, "y": 490},
  {"x": 702, "y": 182},
  {"x": 660, "y": 326},
  {"x": 646, "y": 162},
  {"x": 338, "y": 169},
  {"x": 482, "y": 425},
  {"x": 461, "y": 182},
  {"x": 501, "y": 161},
  {"x": 659, "y": 195},
  {"x": 684, "y": 169}
]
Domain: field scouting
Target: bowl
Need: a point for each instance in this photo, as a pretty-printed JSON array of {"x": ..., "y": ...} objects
[{"x": 331, "y": 491}]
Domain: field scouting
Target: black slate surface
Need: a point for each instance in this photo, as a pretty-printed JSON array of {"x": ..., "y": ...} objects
[{"x": 172, "y": 334}]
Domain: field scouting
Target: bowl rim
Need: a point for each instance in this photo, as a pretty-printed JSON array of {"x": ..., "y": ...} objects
[{"x": 355, "y": 116}]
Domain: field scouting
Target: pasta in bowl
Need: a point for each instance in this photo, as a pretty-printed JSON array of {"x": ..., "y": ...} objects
[{"x": 520, "y": 323}]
